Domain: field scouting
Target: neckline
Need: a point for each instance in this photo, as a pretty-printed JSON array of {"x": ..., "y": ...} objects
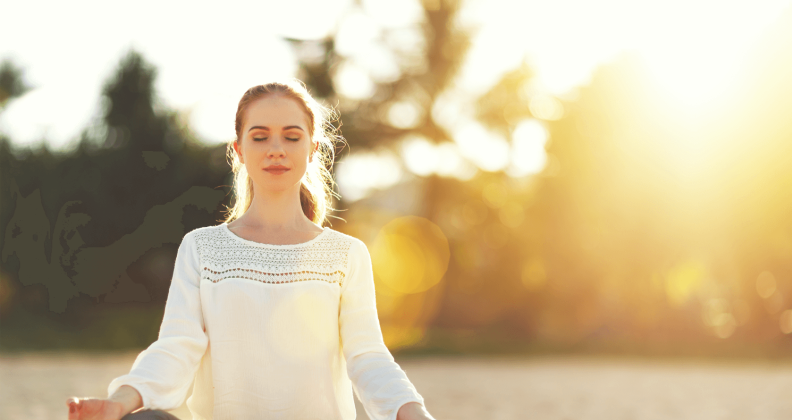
[{"x": 233, "y": 235}]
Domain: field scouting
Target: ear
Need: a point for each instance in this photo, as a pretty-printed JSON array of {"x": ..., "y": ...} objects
[
  {"x": 238, "y": 150},
  {"x": 315, "y": 148}
]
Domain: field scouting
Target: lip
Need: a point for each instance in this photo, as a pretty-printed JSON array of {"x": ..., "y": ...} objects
[{"x": 276, "y": 169}]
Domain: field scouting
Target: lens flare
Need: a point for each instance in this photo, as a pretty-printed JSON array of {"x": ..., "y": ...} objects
[
  {"x": 410, "y": 255},
  {"x": 786, "y": 321},
  {"x": 765, "y": 284},
  {"x": 683, "y": 280}
]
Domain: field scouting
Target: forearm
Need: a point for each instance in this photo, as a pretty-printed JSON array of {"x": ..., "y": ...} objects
[
  {"x": 413, "y": 411},
  {"x": 128, "y": 397}
]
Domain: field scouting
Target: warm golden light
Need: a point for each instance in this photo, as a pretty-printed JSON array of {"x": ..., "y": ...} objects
[
  {"x": 611, "y": 174},
  {"x": 546, "y": 107},
  {"x": 742, "y": 311},
  {"x": 717, "y": 314},
  {"x": 683, "y": 280},
  {"x": 765, "y": 284},
  {"x": 400, "y": 263},
  {"x": 774, "y": 303},
  {"x": 785, "y": 321},
  {"x": 512, "y": 215},
  {"x": 528, "y": 148},
  {"x": 533, "y": 275},
  {"x": 725, "y": 325},
  {"x": 495, "y": 195},
  {"x": 410, "y": 255}
]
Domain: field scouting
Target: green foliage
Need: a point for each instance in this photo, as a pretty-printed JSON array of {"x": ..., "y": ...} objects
[
  {"x": 594, "y": 253},
  {"x": 124, "y": 198},
  {"x": 12, "y": 84}
]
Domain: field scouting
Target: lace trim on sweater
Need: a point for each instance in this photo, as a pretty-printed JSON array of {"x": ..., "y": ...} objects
[
  {"x": 223, "y": 257},
  {"x": 277, "y": 278}
]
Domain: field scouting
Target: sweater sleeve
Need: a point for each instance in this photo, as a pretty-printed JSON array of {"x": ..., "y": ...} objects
[
  {"x": 379, "y": 382},
  {"x": 164, "y": 371}
]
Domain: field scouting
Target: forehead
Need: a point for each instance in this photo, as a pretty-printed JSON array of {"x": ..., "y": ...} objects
[{"x": 274, "y": 111}]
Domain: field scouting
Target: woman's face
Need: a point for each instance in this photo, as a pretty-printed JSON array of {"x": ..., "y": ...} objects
[{"x": 275, "y": 143}]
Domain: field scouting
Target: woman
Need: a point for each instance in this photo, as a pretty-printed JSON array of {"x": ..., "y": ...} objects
[{"x": 272, "y": 315}]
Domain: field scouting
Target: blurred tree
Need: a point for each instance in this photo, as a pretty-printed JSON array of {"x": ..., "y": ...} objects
[
  {"x": 137, "y": 181},
  {"x": 366, "y": 124},
  {"x": 616, "y": 240},
  {"x": 130, "y": 115},
  {"x": 12, "y": 84},
  {"x": 600, "y": 245},
  {"x": 427, "y": 71},
  {"x": 317, "y": 59},
  {"x": 506, "y": 104}
]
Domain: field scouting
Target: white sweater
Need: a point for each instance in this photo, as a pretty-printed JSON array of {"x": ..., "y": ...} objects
[{"x": 270, "y": 332}]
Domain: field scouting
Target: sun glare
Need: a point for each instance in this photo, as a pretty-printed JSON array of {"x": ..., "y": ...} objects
[
  {"x": 695, "y": 48},
  {"x": 697, "y": 56}
]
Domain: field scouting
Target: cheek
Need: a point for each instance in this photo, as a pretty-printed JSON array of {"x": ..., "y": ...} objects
[{"x": 302, "y": 151}]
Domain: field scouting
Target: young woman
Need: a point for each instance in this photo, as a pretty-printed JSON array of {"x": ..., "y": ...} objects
[{"x": 272, "y": 315}]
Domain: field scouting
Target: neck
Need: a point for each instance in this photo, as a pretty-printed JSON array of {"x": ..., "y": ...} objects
[{"x": 276, "y": 210}]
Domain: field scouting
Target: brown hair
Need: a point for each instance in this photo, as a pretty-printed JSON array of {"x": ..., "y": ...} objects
[{"x": 316, "y": 191}]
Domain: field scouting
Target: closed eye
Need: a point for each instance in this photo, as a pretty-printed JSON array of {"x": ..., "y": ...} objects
[{"x": 264, "y": 138}]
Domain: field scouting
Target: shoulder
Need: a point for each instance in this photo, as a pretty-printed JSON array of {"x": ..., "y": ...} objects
[
  {"x": 349, "y": 242},
  {"x": 350, "y": 249},
  {"x": 203, "y": 236},
  {"x": 205, "y": 230}
]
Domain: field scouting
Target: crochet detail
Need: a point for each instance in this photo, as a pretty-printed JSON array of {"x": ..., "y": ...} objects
[
  {"x": 224, "y": 255},
  {"x": 265, "y": 277}
]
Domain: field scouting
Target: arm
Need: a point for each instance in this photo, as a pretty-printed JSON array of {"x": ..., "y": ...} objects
[
  {"x": 413, "y": 411},
  {"x": 162, "y": 373},
  {"x": 129, "y": 399},
  {"x": 379, "y": 382},
  {"x": 121, "y": 403}
]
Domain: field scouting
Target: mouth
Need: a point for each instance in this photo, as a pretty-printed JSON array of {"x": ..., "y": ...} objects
[{"x": 277, "y": 170}]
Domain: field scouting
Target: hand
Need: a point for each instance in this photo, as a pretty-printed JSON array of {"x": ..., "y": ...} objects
[
  {"x": 413, "y": 411},
  {"x": 94, "y": 409}
]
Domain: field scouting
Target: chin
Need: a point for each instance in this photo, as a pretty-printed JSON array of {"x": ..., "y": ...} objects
[{"x": 279, "y": 186}]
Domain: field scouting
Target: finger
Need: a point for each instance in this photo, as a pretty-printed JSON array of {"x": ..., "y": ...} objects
[
  {"x": 73, "y": 412},
  {"x": 75, "y": 406}
]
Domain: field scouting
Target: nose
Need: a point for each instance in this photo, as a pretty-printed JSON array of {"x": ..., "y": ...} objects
[{"x": 276, "y": 149}]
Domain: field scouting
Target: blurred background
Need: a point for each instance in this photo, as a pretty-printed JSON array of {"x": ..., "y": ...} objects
[{"x": 567, "y": 188}]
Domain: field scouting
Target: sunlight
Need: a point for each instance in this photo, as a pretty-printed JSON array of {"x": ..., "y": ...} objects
[
  {"x": 485, "y": 148},
  {"x": 404, "y": 114},
  {"x": 765, "y": 284},
  {"x": 699, "y": 62},
  {"x": 420, "y": 156},
  {"x": 695, "y": 48},
  {"x": 528, "y": 148},
  {"x": 54, "y": 113},
  {"x": 410, "y": 255},
  {"x": 205, "y": 116},
  {"x": 786, "y": 322},
  {"x": 424, "y": 158},
  {"x": 352, "y": 81},
  {"x": 546, "y": 107},
  {"x": 361, "y": 173},
  {"x": 683, "y": 281},
  {"x": 533, "y": 274}
]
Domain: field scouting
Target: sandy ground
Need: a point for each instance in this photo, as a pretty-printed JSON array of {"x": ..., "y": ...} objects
[{"x": 35, "y": 386}]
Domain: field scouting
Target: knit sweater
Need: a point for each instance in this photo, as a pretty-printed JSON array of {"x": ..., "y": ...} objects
[{"x": 270, "y": 332}]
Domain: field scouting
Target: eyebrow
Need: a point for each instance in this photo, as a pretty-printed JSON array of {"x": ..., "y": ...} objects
[{"x": 288, "y": 127}]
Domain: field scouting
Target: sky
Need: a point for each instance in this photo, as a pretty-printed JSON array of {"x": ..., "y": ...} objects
[{"x": 208, "y": 55}]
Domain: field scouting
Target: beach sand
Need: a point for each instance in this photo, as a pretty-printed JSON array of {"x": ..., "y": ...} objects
[{"x": 36, "y": 385}]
